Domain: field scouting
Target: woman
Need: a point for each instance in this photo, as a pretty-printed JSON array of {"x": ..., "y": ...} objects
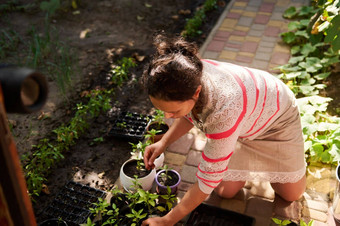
[{"x": 250, "y": 119}]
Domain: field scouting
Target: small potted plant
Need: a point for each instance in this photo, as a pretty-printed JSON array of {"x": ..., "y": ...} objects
[
  {"x": 167, "y": 178},
  {"x": 157, "y": 123},
  {"x": 134, "y": 168},
  {"x": 126, "y": 208}
]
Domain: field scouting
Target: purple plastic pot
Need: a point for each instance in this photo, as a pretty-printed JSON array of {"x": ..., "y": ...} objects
[{"x": 161, "y": 189}]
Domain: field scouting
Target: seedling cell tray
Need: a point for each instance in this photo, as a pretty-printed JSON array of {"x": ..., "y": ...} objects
[
  {"x": 207, "y": 215},
  {"x": 130, "y": 125},
  {"x": 72, "y": 203}
]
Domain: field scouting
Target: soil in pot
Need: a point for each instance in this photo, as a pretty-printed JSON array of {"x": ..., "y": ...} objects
[
  {"x": 163, "y": 127},
  {"x": 169, "y": 180},
  {"x": 130, "y": 169}
]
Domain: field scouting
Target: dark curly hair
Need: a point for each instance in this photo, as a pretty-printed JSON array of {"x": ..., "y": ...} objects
[{"x": 175, "y": 71}]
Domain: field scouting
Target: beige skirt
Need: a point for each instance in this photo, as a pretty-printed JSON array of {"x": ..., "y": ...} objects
[{"x": 277, "y": 155}]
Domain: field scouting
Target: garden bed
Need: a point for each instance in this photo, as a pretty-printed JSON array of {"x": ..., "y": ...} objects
[{"x": 97, "y": 35}]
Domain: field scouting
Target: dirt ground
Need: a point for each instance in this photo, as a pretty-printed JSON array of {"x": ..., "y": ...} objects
[{"x": 114, "y": 29}]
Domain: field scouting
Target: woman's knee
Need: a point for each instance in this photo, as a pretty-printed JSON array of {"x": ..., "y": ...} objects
[
  {"x": 291, "y": 191},
  {"x": 228, "y": 189}
]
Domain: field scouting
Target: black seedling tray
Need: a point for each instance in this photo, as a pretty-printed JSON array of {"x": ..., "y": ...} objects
[
  {"x": 207, "y": 215},
  {"x": 72, "y": 203},
  {"x": 130, "y": 125}
]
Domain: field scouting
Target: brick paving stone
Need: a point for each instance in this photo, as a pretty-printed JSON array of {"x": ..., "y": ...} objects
[
  {"x": 276, "y": 16},
  {"x": 255, "y": 33},
  {"x": 259, "y": 64},
  {"x": 210, "y": 55},
  {"x": 281, "y": 47},
  {"x": 245, "y": 21},
  {"x": 249, "y": 47},
  {"x": 233, "y": 10},
  {"x": 249, "y": 14},
  {"x": 287, "y": 210},
  {"x": 243, "y": 194},
  {"x": 314, "y": 214},
  {"x": 262, "y": 221},
  {"x": 194, "y": 158},
  {"x": 246, "y": 54},
  {"x": 282, "y": 3},
  {"x": 331, "y": 221},
  {"x": 233, "y": 205},
  {"x": 244, "y": 59},
  {"x": 318, "y": 223},
  {"x": 213, "y": 199},
  {"x": 266, "y": 44},
  {"x": 233, "y": 15},
  {"x": 269, "y": 39},
  {"x": 316, "y": 205},
  {"x": 229, "y": 23},
  {"x": 228, "y": 55},
  {"x": 261, "y": 19},
  {"x": 267, "y": 7},
  {"x": 240, "y": 4},
  {"x": 236, "y": 38},
  {"x": 265, "y": 14},
  {"x": 275, "y": 23},
  {"x": 223, "y": 34},
  {"x": 253, "y": 209},
  {"x": 241, "y": 28},
  {"x": 174, "y": 158},
  {"x": 239, "y": 33},
  {"x": 253, "y": 39},
  {"x": 182, "y": 145},
  {"x": 231, "y": 49},
  {"x": 272, "y": 31},
  {"x": 262, "y": 189},
  {"x": 280, "y": 58},
  {"x": 262, "y": 56},
  {"x": 252, "y": 8},
  {"x": 265, "y": 50},
  {"x": 184, "y": 186},
  {"x": 255, "y": 3},
  {"x": 314, "y": 195},
  {"x": 222, "y": 39},
  {"x": 199, "y": 144},
  {"x": 258, "y": 27},
  {"x": 188, "y": 174},
  {"x": 216, "y": 46}
]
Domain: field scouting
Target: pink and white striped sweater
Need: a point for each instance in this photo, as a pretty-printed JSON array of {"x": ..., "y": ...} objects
[{"x": 240, "y": 103}]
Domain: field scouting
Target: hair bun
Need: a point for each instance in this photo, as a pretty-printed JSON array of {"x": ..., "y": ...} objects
[{"x": 166, "y": 45}]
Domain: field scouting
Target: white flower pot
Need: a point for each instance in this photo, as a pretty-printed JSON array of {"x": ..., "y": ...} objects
[
  {"x": 158, "y": 161},
  {"x": 127, "y": 181}
]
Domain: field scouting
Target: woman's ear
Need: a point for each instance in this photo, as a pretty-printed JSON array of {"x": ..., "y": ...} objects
[{"x": 197, "y": 92}]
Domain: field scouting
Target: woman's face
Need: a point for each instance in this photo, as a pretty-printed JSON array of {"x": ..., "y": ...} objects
[
  {"x": 176, "y": 109},
  {"x": 173, "y": 109}
]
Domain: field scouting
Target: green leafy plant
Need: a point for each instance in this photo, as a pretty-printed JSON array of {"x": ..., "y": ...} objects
[
  {"x": 141, "y": 204},
  {"x": 48, "y": 152},
  {"x": 321, "y": 131},
  {"x": 136, "y": 216},
  {"x": 312, "y": 58},
  {"x": 150, "y": 135},
  {"x": 191, "y": 28},
  {"x": 287, "y": 222},
  {"x": 119, "y": 73},
  {"x": 165, "y": 175}
]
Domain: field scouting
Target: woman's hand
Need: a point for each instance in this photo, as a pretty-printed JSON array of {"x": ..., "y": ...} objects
[
  {"x": 156, "y": 221},
  {"x": 152, "y": 152}
]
